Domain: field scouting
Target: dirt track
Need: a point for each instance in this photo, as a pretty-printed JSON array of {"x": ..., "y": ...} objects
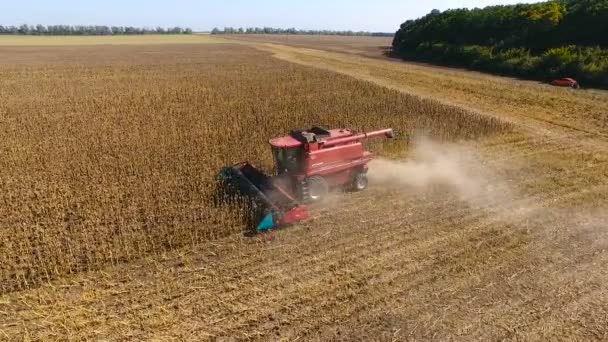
[{"x": 387, "y": 264}]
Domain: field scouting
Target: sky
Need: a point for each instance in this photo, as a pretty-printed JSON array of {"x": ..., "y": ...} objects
[{"x": 356, "y": 15}]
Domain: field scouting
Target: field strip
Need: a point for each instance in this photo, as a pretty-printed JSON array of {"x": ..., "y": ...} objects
[
  {"x": 359, "y": 67},
  {"x": 361, "y": 205},
  {"x": 389, "y": 225},
  {"x": 457, "y": 217},
  {"x": 457, "y": 291},
  {"x": 293, "y": 298},
  {"x": 362, "y": 262},
  {"x": 380, "y": 252}
]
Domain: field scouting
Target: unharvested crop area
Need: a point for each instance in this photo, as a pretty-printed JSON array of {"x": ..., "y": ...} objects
[
  {"x": 109, "y": 229},
  {"x": 112, "y": 154}
]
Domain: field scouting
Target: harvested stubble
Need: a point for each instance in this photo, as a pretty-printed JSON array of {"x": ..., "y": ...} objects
[
  {"x": 112, "y": 155},
  {"x": 374, "y": 47}
]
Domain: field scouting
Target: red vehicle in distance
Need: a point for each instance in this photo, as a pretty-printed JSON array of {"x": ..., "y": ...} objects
[{"x": 565, "y": 82}]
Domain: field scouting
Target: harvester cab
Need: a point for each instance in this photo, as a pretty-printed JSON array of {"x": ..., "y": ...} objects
[
  {"x": 309, "y": 163},
  {"x": 288, "y": 160}
]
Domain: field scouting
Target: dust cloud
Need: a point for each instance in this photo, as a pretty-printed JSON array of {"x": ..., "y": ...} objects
[
  {"x": 448, "y": 170},
  {"x": 447, "y": 167}
]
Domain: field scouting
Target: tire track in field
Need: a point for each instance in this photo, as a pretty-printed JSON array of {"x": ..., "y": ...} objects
[
  {"x": 533, "y": 147},
  {"x": 387, "y": 252},
  {"x": 359, "y": 246},
  {"x": 371, "y": 206},
  {"x": 281, "y": 299},
  {"x": 546, "y": 280},
  {"x": 230, "y": 266},
  {"x": 486, "y": 241},
  {"x": 475, "y": 297}
]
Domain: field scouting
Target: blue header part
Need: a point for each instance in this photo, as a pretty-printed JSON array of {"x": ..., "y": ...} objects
[{"x": 266, "y": 224}]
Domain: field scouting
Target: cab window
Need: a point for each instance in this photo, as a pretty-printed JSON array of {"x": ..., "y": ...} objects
[{"x": 287, "y": 159}]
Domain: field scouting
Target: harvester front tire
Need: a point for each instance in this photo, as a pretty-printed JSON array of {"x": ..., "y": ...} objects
[
  {"x": 360, "y": 182},
  {"x": 317, "y": 189}
]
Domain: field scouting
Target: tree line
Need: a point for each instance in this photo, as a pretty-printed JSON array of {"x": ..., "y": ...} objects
[
  {"x": 272, "y": 30},
  {"x": 543, "y": 40},
  {"x": 88, "y": 30}
]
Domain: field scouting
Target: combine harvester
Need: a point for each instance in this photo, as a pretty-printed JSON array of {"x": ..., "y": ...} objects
[{"x": 309, "y": 164}]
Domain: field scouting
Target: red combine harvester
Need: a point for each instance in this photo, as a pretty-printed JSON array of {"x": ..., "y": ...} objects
[{"x": 309, "y": 164}]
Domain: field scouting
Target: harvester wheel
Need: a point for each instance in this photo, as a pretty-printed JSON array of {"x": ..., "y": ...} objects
[
  {"x": 360, "y": 182},
  {"x": 317, "y": 188}
]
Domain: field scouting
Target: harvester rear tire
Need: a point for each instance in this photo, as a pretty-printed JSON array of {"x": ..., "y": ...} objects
[
  {"x": 317, "y": 189},
  {"x": 360, "y": 182}
]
